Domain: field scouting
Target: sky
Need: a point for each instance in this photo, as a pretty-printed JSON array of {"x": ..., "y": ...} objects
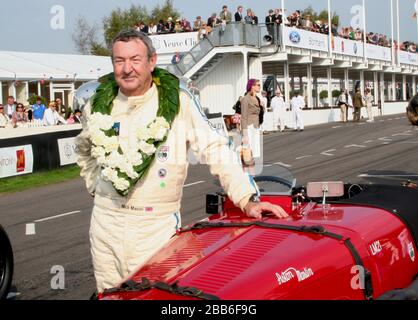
[{"x": 47, "y": 25}]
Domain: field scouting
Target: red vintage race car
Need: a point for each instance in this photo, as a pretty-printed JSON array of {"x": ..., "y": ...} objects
[{"x": 341, "y": 241}]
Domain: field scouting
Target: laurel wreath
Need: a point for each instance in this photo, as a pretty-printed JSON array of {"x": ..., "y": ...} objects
[{"x": 168, "y": 107}]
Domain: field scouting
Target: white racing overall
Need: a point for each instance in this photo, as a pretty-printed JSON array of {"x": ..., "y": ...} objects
[{"x": 126, "y": 231}]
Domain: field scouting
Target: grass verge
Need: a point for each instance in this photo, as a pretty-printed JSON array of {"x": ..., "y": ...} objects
[{"x": 40, "y": 179}]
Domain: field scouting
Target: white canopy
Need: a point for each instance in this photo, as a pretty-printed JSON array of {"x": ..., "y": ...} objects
[{"x": 54, "y": 67}]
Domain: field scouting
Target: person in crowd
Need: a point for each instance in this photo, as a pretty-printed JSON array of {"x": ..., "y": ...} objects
[
  {"x": 19, "y": 118},
  {"x": 161, "y": 27},
  {"x": 4, "y": 119},
  {"x": 297, "y": 104},
  {"x": 176, "y": 58},
  {"x": 225, "y": 15},
  {"x": 38, "y": 110},
  {"x": 177, "y": 26},
  {"x": 204, "y": 31},
  {"x": 357, "y": 104},
  {"x": 123, "y": 235},
  {"x": 197, "y": 24},
  {"x": 75, "y": 117},
  {"x": 213, "y": 21},
  {"x": 63, "y": 110},
  {"x": 185, "y": 25},
  {"x": 278, "y": 16},
  {"x": 249, "y": 17},
  {"x": 152, "y": 28},
  {"x": 143, "y": 27},
  {"x": 369, "y": 99},
  {"x": 10, "y": 107},
  {"x": 250, "y": 105},
  {"x": 239, "y": 17},
  {"x": 169, "y": 26},
  {"x": 236, "y": 118},
  {"x": 270, "y": 20},
  {"x": 279, "y": 111},
  {"x": 343, "y": 104},
  {"x": 51, "y": 116}
]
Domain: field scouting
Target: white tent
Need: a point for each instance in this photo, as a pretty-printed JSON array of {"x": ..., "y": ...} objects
[{"x": 52, "y": 67}]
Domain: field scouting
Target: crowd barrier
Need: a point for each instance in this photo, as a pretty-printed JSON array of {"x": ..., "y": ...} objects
[{"x": 28, "y": 150}]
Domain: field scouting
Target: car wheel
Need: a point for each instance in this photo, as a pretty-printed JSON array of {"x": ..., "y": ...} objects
[{"x": 6, "y": 264}]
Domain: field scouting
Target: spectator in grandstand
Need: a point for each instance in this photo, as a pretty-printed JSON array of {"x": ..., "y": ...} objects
[
  {"x": 197, "y": 24},
  {"x": 152, "y": 28},
  {"x": 278, "y": 16},
  {"x": 225, "y": 15},
  {"x": 176, "y": 58},
  {"x": 38, "y": 110},
  {"x": 10, "y": 107},
  {"x": 19, "y": 118},
  {"x": 51, "y": 116},
  {"x": 238, "y": 15},
  {"x": 75, "y": 117},
  {"x": 270, "y": 21},
  {"x": 213, "y": 21},
  {"x": 185, "y": 25},
  {"x": 161, "y": 27},
  {"x": 248, "y": 18},
  {"x": 169, "y": 26},
  {"x": 204, "y": 31},
  {"x": 62, "y": 109},
  {"x": 295, "y": 19},
  {"x": 4, "y": 119},
  {"x": 177, "y": 26},
  {"x": 308, "y": 23},
  {"x": 142, "y": 27}
]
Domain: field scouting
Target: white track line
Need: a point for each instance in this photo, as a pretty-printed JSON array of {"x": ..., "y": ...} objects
[
  {"x": 193, "y": 184},
  {"x": 387, "y": 176},
  {"x": 303, "y": 157},
  {"x": 58, "y": 216},
  {"x": 368, "y": 141},
  {"x": 328, "y": 154},
  {"x": 336, "y": 127},
  {"x": 283, "y": 164},
  {"x": 12, "y": 295},
  {"x": 355, "y": 146}
]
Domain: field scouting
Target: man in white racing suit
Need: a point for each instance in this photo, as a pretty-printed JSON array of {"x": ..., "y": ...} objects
[{"x": 127, "y": 230}]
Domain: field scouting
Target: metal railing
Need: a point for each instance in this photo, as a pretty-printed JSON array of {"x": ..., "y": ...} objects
[{"x": 231, "y": 34}]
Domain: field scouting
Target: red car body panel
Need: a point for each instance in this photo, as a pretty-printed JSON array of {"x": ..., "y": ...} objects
[{"x": 257, "y": 263}]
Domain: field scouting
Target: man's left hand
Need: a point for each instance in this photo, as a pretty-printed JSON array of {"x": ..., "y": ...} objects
[{"x": 256, "y": 210}]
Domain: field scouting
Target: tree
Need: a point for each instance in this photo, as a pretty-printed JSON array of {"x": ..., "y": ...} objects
[
  {"x": 123, "y": 19},
  {"x": 335, "y": 19},
  {"x": 85, "y": 38},
  {"x": 164, "y": 12}
]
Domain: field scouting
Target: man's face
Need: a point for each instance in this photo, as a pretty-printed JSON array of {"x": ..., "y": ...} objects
[
  {"x": 58, "y": 101},
  {"x": 10, "y": 101},
  {"x": 38, "y": 101},
  {"x": 133, "y": 69}
]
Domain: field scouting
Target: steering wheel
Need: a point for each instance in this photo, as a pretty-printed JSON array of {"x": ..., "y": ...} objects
[{"x": 278, "y": 180}]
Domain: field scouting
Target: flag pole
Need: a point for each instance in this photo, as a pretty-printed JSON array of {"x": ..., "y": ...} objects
[
  {"x": 399, "y": 31},
  {"x": 364, "y": 32},
  {"x": 392, "y": 27}
]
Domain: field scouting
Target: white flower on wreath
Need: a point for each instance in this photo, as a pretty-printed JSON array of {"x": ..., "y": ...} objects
[
  {"x": 121, "y": 184},
  {"x": 115, "y": 160},
  {"x": 109, "y": 174},
  {"x": 101, "y": 121},
  {"x": 134, "y": 157},
  {"x": 111, "y": 144},
  {"x": 147, "y": 148},
  {"x": 98, "y": 138},
  {"x": 143, "y": 134},
  {"x": 98, "y": 152}
]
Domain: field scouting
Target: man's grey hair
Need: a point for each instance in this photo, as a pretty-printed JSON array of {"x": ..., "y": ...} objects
[{"x": 132, "y": 34}]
